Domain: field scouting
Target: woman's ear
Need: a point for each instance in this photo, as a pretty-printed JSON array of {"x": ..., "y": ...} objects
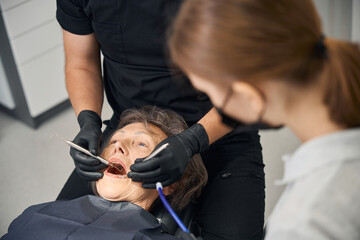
[
  {"x": 169, "y": 189},
  {"x": 250, "y": 96}
]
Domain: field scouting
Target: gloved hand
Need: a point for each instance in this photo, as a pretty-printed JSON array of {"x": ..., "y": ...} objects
[
  {"x": 188, "y": 236},
  {"x": 169, "y": 165},
  {"x": 88, "y": 138}
]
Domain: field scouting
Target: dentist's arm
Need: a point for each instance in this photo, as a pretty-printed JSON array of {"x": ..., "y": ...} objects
[
  {"x": 214, "y": 126},
  {"x": 169, "y": 165},
  {"x": 85, "y": 89},
  {"x": 83, "y": 72}
]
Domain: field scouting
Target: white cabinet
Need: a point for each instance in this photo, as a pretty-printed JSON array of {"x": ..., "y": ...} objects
[
  {"x": 44, "y": 82},
  {"x": 6, "y": 98},
  {"x": 37, "y": 42},
  {"x": 7, "y": 4},
  {"x": 32, "y": 54},
  {"x": 28, "y": 15}
]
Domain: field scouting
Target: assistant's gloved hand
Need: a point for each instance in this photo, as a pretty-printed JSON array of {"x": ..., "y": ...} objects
[
  {"x": 89, "y": 138},
  {"x": 188, "y": 236},
  {"x": 169, "y": 165}
]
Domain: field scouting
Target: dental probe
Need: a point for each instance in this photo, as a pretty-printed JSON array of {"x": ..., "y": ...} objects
[
  {"x": 87, "y": 152},
  {"x": 156, "y": 152}
]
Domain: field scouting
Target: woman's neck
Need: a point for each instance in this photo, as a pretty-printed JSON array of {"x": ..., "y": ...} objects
[
  {"x": 311, "y": 119},
  {"x": 300, "y": 108}
]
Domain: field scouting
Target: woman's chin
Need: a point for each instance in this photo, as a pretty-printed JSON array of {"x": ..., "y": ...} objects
[
  {"x": 108, "y": 191},
  {"x": 113, "y": 189},
  {"x": 111, "y": 198}
]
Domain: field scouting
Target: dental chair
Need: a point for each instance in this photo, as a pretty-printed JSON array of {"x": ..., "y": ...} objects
[{"x": 169, "y": 225}]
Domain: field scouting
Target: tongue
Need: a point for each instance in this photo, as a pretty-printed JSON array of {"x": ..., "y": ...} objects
[{"x": 117, "y": 169}]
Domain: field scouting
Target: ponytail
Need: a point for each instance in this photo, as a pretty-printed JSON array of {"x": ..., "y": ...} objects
[
  {"x": 228, "y": 40},
  {"x": 342, "y": 82}
]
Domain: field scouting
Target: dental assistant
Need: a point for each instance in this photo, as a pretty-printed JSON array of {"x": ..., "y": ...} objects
[
  {"x": 267, "y": 62},
  {"x": 131, "y": 35}
]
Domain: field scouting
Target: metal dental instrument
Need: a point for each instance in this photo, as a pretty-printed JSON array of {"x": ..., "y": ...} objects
[
  {"x": 87, "y": 152},
  {"x": 156, "y": 152}
]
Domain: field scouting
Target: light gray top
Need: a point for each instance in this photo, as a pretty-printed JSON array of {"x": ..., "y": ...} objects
[{"x": 322, "y": 196}]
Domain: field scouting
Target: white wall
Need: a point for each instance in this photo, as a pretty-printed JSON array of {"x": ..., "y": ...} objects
[
  {"x": 356, "y": 21},
  {"x": 336, "y": 17},
  {"x": 275, "y": 144}
]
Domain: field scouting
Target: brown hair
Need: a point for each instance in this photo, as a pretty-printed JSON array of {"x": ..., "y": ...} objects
[
  {"x": 189, "y": 186},
  {"x": 256, "y": 40}
]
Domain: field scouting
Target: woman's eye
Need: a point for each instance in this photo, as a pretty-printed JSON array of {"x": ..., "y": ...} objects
[
  {"x": 113, "y": 141},
  {"x": 141, "y": 144}
]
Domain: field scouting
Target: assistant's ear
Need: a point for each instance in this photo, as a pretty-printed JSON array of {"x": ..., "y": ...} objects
[{"x": 250, "y": 95}]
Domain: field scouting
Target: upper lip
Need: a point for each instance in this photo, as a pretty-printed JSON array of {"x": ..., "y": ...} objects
[{"x": 117, "y": 160}]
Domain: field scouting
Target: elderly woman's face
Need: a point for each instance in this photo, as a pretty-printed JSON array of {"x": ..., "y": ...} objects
[{"x": 125, "y": 146}]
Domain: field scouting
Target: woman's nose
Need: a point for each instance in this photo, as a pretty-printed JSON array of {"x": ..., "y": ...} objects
[{"x": 119, "y": 147}]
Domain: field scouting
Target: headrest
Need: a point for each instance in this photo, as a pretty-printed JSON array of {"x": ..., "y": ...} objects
[{"x": 168, "y": 224}]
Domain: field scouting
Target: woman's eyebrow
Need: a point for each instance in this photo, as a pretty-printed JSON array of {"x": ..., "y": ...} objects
[
  {"x": 142, "y": 132},
  {"x": 137, "y": 133},
  {"x": 146, "y": 133},
  {"x": 116, "y": 132}
]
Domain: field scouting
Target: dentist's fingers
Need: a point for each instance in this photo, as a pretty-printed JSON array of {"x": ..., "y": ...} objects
[
  {"x": 166, "y": 183},
  {"x": 151, "y": 176},
  {"x": 89, "y": 176},
  {"x": 88, "y": 168},
  {"x": 145, "y": 166},
  {"x": 149, "y": 185},
  {"x": 152, "y": 184},
  {"x": 82, "y": 158}
]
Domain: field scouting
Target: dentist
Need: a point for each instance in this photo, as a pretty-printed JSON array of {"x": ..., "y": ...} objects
[{"x": 131, "y": 35}]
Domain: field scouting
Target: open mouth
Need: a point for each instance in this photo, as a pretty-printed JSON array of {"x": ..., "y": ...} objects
[{"x": 116, "y": 169}]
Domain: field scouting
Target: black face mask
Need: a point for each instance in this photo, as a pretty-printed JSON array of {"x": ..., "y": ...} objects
[{"x": 244, "y": 127}]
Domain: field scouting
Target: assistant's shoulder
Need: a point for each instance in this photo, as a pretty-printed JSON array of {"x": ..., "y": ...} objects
[{"x": 323, "y": 206}]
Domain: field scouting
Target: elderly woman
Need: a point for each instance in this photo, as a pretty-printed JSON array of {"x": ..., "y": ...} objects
[{"x": 123, "y": 208}]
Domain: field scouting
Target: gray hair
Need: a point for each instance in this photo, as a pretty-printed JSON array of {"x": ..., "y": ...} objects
[{"x": 188, "y": 187}]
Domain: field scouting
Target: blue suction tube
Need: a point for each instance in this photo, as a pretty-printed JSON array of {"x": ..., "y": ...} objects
[{"x": 159, "y": 187}]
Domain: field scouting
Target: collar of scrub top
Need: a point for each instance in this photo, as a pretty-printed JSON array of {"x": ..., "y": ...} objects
[{"x": 321, "y": 152}]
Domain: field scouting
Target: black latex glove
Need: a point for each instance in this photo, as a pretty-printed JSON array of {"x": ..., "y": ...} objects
[
  {"x": 188, "y": 236},
  {"x": 88, "y": 138},
  {"x": 169, "y": 165}
]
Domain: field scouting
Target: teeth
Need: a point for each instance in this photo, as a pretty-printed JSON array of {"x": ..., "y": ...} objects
[{"x": 117, "y": 169}]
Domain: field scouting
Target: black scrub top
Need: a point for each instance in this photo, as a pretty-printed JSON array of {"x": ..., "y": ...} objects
[{"x": 132, "y": 38}]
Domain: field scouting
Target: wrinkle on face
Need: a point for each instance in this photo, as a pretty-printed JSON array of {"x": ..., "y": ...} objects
[{"x": 127, "y": 144}]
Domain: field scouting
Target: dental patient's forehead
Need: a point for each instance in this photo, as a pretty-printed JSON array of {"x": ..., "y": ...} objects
[{"x": 138, "y": 129}]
